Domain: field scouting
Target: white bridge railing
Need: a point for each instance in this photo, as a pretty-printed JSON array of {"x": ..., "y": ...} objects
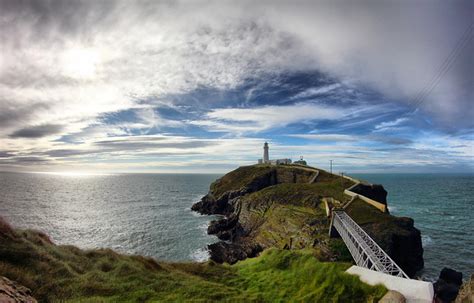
[{"x": 363, "y": 248}]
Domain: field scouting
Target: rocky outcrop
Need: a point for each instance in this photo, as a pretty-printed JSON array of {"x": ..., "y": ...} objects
[
  {"x": 12, "y": 292},
  {"x": 209, "y": 205},
  {"x": 373, "y": 191},
  {"x": 221, "y": 252},
  {"x": 447, "y": 286},
  {"x": 227, "y": 229}
]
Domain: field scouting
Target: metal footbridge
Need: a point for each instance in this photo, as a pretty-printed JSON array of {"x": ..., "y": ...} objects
[{"x": 363, "y": 248}]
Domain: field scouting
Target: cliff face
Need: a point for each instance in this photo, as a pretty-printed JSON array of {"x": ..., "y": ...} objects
[
  {"x": 277, "y": 207},
  {"x": 245, "y": 180}
]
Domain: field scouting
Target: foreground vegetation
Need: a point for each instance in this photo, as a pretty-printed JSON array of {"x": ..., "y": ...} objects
[{"x": 68, "y": 274}]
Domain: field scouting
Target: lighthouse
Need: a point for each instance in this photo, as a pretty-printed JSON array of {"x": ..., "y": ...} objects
[{"x": 266, "y": 158}]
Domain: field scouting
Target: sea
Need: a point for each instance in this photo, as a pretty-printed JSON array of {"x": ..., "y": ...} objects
[{"x": 150, "y": 214}]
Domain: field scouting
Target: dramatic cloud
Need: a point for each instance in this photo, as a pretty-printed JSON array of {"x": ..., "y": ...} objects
[{"x": 86, "y": 78}]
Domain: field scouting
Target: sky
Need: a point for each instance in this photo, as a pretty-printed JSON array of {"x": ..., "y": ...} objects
[{"x": 199, "y": 86}]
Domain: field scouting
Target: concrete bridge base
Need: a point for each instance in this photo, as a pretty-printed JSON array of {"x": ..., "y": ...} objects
[{"x": 412, "y": 290}]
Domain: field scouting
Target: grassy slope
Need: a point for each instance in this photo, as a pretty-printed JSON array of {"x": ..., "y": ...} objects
[
  {"x": 238, "y": 178},
  {"x": 66, "y": 273},
  {"x": 363, "y": 213},
  {"x": 244, "y": 175},
  {"x": 292, "y": 210}
]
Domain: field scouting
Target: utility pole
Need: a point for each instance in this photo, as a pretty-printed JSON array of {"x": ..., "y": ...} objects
[{"x": 330, "y": 165}]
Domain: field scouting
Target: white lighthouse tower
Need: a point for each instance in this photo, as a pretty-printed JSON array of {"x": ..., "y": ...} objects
[{"x": 266, "y": 158}]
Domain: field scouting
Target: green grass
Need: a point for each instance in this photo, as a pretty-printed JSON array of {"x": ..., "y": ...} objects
[
  {"x": 245, "y": 175},
  {"x": 303, "y": 194},
  {"x": 364, "y": 213},
  {"x": 288, "y": 276},
  {"x": 68, "y": 274},
  {"x": 239, "y": 178}
]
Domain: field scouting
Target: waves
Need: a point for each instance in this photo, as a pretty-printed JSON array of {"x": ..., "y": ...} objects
[
  {"x": 200, "y": 255},
  {"x": 426, "y": 240}
]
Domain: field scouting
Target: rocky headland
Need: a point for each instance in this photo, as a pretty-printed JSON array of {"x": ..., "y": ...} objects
[{"x": 282, "y": 206}]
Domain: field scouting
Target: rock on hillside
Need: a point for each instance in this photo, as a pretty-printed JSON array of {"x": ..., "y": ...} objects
[
  {"x": 372, "y": 191},
  {"x": 11, "y": 291}
]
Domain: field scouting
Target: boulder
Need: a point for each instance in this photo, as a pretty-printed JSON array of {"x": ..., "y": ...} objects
[
  {"x": 12, "y": 292},
  {"x": 447, "y": 287},
  {"x": 445, "y": 292},
  {"x": 209, "y": 205},
  {"x": 226, "y": 228},
  {"x": 451, "y": 276},
  {"x": 393, "y": 296},
  {"x": 221, "y": 252}
]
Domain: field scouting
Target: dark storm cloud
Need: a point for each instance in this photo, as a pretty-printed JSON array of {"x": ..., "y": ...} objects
[{"x": 37, "y": 131}]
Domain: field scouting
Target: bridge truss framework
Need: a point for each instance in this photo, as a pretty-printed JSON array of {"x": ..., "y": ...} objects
[{"x": 365, "y": 251}]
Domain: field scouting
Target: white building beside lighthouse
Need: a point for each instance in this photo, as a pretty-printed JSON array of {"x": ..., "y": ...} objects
[{"x": 266, "y": 157}]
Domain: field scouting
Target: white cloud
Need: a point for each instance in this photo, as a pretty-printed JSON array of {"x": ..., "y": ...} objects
[
  {"x": 326, "y": 137},
  {"x": 257, "y": 119},
  {"x": 390, "y": 124},
  {"x": 90, "y": 65},
  {"x": 316, "y": 91},
  {"x": 69, "y": 63}
]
